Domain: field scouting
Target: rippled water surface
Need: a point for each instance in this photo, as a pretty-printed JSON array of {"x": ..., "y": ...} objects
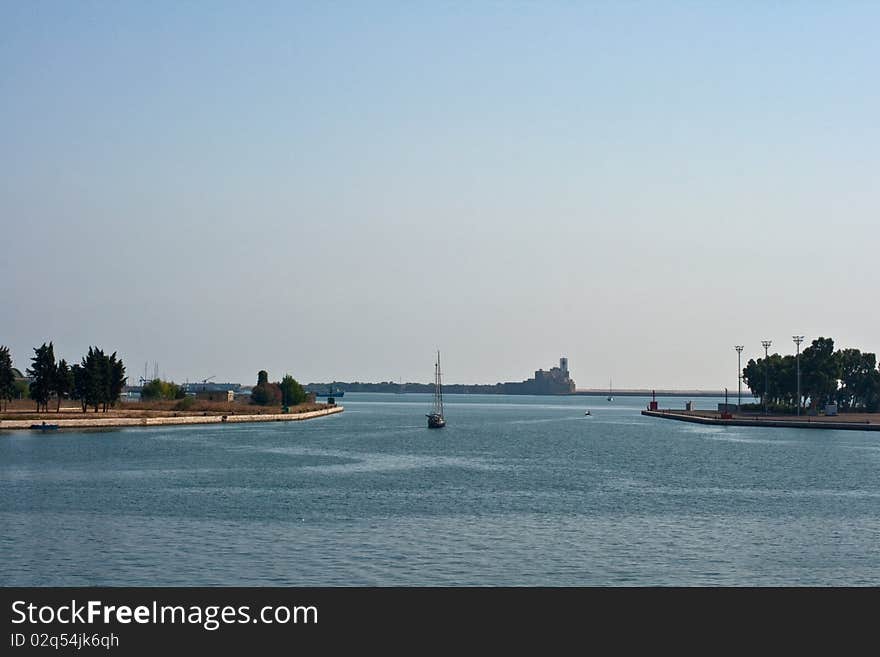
[{"x": 515, "y": 491}]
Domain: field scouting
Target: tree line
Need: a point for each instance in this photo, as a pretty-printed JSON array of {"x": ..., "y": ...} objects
[
  {"x": 288, "y": 392},
  {"x": 97, "y": 381},
  {"x": 848, "y": 377}
]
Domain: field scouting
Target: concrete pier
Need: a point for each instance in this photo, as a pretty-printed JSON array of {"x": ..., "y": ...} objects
[{"x": 775, "y": 421}]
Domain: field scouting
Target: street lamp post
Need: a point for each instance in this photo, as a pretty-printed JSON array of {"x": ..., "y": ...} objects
[
  {"x": 766, "y": 344},
  {"x": 797, "y": 340},
  {"x": 739, "y": 377}
]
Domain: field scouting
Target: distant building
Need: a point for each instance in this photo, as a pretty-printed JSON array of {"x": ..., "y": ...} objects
[
  {"x": 218, "y": 392},
  {"x": 555, "y": 381},
  {"x": 216, "y": 395},
  {"x": 195, "y": 388}
]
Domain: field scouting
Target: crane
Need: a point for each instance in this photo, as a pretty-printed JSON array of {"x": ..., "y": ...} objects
[{"x": 213, "y": 376}]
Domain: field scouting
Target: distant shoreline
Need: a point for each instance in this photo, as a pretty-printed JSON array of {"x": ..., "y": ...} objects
[
  {"x": 648, "y": 393},
  {"x": 489, "y": 389},
  {"x": 107, "y": 422}
]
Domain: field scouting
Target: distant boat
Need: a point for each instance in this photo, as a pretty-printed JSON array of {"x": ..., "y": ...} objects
[
  {"x": 610, "y": 396},
  {"x": 587, "y": 412},
  {"x": 45, "y": 427},
  {"x": 435, "y": 417}
]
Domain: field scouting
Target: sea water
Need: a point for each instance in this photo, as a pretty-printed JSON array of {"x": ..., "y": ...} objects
[{"x": 516, "y": 490}]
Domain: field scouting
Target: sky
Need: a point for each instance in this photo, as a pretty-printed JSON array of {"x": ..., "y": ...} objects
[{"x": 337, "y": 190}]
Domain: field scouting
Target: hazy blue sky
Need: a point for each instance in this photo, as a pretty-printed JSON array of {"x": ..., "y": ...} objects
[{"x": 335, "y": 190}]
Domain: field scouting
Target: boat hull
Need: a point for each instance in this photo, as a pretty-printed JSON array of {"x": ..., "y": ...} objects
[{"x": 436, "y": 421}]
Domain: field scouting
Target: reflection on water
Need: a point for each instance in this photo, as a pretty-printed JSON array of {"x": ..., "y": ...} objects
[{"x": 515, "y": 490}]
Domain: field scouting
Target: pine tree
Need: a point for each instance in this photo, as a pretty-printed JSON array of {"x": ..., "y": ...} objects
[
  {"x": 292, "y": 392},
  {"x": 99, "y": 381},
  {"x": 7, "y": 377},
  {"x": 43, "y": 372},
  {"x": 115, "y": 380},
  {"x": 80, "y": 385},
  {"x": 63, "y": 383},
  {"x": 92, "y": 385}
]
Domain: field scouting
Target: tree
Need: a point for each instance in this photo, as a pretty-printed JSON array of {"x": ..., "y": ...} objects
[
  {"x": 848, "y": 376},
  {"x": 753, "y": 376},
  {"x": 265, "y": 393},
  {"x": 80, "y": 385},
  {"x": 292, "y": 392},
  {"x": 776, "y": 373},
  {"x": 101, "y": 380},
  {"x": 22, "y": 389},
  {"x": 7, "y": 376},
  {"x": 63, "y": 383},
  {"x": 43, "y": 372},
  {"x": 872, "y": 392},
  {"x": 784, "y": 387},
  {"x": 820, "y": 371},
  {"x": 116, "y": 380},
  {"x": 92, "y": 385},
  {"x": 858, "y": 378},
  {"x": 158, "y": 389},
  {"x": 151, "y": 390},
  {"x": 268, "y": 394}
]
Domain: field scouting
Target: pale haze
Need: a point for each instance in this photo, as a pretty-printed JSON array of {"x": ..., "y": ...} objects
[{"x": 337, "y": 190}]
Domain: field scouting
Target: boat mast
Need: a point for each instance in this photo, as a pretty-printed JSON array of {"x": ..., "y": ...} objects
[{"x": 438, "y": 391}]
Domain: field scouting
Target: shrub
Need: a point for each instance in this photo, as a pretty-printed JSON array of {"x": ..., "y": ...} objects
[
  {"x": 185, "y": 404},
  {"x": 266, "y": 394}
]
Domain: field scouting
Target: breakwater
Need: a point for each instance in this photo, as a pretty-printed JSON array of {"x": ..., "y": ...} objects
[
  {"x": 800, "y": 423},
  {"x": 99, "y": 422}
]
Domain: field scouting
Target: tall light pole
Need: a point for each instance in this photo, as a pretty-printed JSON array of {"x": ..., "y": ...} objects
[
  {"x": 739, "y": 377},
  {"x": 797, "y": 340},
  {"x": 766, "y": 344}
]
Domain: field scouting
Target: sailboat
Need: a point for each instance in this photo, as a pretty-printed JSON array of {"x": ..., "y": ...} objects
[
  {"x": 435, "y": 417},
  {"x": 610, "y": 396}
]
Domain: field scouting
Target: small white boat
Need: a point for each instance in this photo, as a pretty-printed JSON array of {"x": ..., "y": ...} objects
[{"x": 587, "y": 413}]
